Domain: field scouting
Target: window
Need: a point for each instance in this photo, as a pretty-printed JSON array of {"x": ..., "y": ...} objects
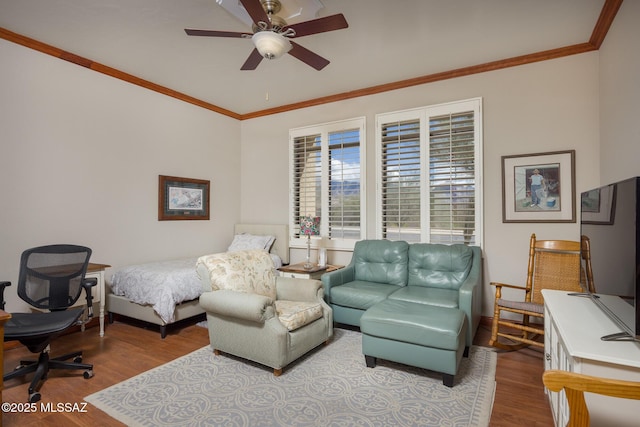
[
  {"x": 429, "y": 174},
  {"x": 326, "y": 181}
]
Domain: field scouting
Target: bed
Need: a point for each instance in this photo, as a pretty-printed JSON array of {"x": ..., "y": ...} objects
[{"x": 163, "y": 293}]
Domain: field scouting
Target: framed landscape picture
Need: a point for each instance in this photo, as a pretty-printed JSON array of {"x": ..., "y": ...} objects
[
  {"x": 539, "y": 187},
  {"x": 182, "y": 198}
]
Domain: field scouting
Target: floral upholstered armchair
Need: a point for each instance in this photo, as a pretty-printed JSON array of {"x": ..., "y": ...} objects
[{"x": 254, "y": 314}]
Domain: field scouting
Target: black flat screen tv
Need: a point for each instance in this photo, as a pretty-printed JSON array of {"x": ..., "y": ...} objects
[{"x": 609, "y": 217}]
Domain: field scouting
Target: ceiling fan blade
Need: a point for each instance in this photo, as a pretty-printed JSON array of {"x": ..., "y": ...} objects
[
  {"x": 320, "y": 25},
  {"x": 252, "y": 61},
  {"x": 305, "y": 55},
  {"x": 256, "y": 11},
  {"x": 212, "y": 33}
]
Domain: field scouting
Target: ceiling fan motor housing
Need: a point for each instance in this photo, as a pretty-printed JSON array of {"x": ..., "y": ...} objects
[{"x": 271, "y": 7}]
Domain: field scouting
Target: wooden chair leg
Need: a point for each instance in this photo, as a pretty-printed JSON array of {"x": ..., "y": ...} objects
[
  {"x": 277, "y": 372},
  {"x": 496, "y": 318}
]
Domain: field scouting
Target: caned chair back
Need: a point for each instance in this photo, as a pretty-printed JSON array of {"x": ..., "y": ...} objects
[
  {"x": 553, "y": 264},
  {"x": 51, "y": 276}
]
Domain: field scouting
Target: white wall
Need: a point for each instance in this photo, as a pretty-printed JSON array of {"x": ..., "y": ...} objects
[
  {"x": 620, "y": 97},
  {"x": 80, "y": 155},
  {"x": 120, "y": 137},
  {"x": 541, "y": 107}
]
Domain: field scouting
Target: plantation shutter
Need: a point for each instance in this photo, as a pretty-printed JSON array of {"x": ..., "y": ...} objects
[
  {"x": 326, "y": 181},
  {"x": 400, "y": 180},
  {"x": 452, "y": 172},
  {"x": 344, "y": 184},
  {"x": 307, "y": 170},
  {"x": 429, "y": 174}
]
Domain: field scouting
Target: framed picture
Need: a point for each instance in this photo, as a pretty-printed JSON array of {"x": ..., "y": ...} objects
[
  {"x": 182, "y": 198},
  {"x": 539, "y": 187},
  {"x": 599, "y": 206}
]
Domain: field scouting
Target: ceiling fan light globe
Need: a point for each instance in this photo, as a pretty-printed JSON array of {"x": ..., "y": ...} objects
[{"x": 271, "y": 45}]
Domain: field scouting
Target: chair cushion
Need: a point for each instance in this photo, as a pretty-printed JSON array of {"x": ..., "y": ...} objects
[
  {"x": 249, "y": 271},
  {"x": 37, "y": 325},
  {"x": 420, "y": 324},
  {"x": 432, "y": 296},
  {"x": 295, "y": 314},
  {"x": 439, "y": 266},
  {"x": 361, "y": 294}
]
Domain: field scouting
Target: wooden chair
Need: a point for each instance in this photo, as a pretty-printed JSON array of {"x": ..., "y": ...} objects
[
  {"x": 586, "y": 273},
  {"x": 575, "y": 385},
  {"x": 553, "y": 264}
]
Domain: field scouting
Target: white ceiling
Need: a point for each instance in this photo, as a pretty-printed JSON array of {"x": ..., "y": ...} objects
[{"x": 386, "y": 41}]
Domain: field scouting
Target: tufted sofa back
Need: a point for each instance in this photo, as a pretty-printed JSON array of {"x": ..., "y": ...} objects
[
  {"x": 381, "y": 261},
  {"x": 439, "y": 266}
]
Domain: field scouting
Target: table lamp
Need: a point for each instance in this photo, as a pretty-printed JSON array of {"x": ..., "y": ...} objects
[{"x": 309, "y": 226}]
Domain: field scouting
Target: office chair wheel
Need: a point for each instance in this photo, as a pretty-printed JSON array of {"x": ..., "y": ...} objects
[
  {"x": 77, "y": 359},
  {"x": 88, "y": 374},
  {"x": 34, "y": 397}
]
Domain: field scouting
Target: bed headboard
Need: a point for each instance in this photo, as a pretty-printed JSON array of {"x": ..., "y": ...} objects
[{"x": 280, "y": 231}]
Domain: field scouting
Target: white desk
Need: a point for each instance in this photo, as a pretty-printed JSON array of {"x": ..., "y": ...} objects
[
  {"x": 97, "y": 292},
  {"x": 573, "y": 327}
]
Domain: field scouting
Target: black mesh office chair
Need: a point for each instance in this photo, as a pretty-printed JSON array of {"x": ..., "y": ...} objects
[{"x": 51, "y": 279}]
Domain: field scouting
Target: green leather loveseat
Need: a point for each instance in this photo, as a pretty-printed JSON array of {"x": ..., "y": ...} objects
[{"x": 448, "y": 276}]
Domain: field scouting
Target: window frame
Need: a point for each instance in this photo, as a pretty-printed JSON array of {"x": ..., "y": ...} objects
[
  {"x": 423, "y": 115},
  {"x": 324, "y": 129}
]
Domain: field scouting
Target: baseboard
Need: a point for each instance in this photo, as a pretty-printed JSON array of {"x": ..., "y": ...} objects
[{"x": 486, "y": 321}]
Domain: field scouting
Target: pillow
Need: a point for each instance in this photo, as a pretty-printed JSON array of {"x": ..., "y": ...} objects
[
  {"x": 270, "y": 243},
  {"x": 243, "y": 242},
  {"x": 277, "y": 261},
  {"x": 295, "y": 314},
  {"x": 249, "y": 271}
]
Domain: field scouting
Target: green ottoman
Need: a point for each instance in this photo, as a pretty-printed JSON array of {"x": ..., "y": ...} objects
[{"x": 420, "y": 335}]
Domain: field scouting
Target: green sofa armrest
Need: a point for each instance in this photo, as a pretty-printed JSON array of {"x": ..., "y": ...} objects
[
  {"x": 337, "y": 278},
  {"x": 470, "y": 294},
  {"x": 252, "y": 307}
]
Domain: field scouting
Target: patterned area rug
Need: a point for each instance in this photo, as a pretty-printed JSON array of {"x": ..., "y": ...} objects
[{"x": 330, "y": 386}]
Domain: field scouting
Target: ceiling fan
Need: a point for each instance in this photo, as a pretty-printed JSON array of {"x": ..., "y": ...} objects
[{"x": 272, "y": 35}]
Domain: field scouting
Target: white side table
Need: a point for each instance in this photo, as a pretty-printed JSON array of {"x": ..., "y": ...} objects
[{"x": 299, "y": 272}]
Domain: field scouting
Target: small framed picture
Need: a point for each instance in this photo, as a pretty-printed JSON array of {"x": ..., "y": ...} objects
[
  {"x": 539, "y": 187},
  {"x": 182, "y": 198}
]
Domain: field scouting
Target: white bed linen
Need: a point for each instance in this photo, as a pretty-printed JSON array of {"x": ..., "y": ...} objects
[
  {"x": 159, "y": 284},
  {"x": 162, "y": 284}
]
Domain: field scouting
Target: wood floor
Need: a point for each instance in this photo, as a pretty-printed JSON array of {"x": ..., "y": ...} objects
[{"x": 127, "y": 350}]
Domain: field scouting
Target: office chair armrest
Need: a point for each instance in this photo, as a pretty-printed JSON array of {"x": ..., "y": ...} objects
[
  {"x": 87, "y": 284},
  {"x": 3, "y": 285}
]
